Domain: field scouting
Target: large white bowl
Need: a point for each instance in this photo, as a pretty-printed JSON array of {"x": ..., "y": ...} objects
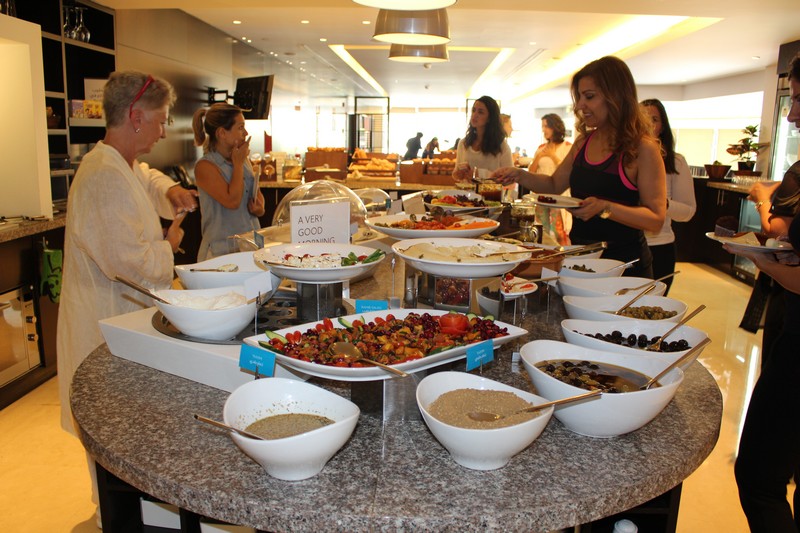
[
  {"x": 479, "y": 449},
  {"x": 210, "y": 280},
  {"x": 598, "y": 307},
  {"x": 611, "y": 414},
  {"x": 603, "y": 268},
  {"x": 577, "y": 332},
  {"x": 272, "y": 258},
  {"x": 459, "y": 269},
  {"x": 591, "y": 255},
  {"x": 574, "y": 286},
  {"x": 211, "y": 324},
  {"x": 301, "y": 456}
]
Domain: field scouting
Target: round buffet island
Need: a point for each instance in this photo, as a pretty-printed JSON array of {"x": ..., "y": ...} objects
[{"x": 138, "y": 424}]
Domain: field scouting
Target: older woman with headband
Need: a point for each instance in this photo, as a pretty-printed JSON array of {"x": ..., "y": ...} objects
[
  {"x": 614, "y": 167},
  {"x": 113, "y": 227},
  {"x": 230, "y": 200}
]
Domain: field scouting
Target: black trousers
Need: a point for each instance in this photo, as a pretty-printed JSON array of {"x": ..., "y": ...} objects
[
  {"x": 769, "y": 452},
  {"x": 664, "y": 262}
]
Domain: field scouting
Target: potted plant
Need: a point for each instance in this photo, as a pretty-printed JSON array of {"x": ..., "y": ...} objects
[
  {"x": 746, "y": 149},
  {"x": 716, "y": 171}
]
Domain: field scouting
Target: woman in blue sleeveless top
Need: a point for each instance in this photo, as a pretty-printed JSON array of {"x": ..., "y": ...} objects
[
  {"x": 230, "y": 201},
  {"x": 614, "y": 167}
]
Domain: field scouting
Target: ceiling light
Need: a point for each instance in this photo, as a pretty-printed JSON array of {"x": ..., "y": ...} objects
[
  {"x": 237, "y": 21},
  {"x": 409, "y": 53},
  {"x": 366, "y": 22},
  {"x": 323, "y": 40},
  {"x": 406, "y": 5},
  {"x": 412, "y": 27},
  {"x": 303, "y": 22}
]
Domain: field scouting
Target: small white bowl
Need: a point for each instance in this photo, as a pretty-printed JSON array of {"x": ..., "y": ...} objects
[
  {"x": 603, "y": 307},
  {"x": 210, "y": 280},
  {"x": 573, "y": 286},
  {"x": 211, "y": 324},
  {"x": 603, "y": 268},
  {"x": 577, "y": 332},
  {"x": 479, "y": 449},
  {"x": 611, "y": 414},
  {"x": 487, "y": 306},
  {"x": 292, "y": 458}
]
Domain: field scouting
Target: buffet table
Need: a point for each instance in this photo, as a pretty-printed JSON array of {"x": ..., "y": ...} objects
[{"x": 137, "y": 422}]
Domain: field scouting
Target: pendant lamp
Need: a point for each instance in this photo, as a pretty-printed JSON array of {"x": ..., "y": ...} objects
[
  {"x": 406, "y": 5},
  {"x": 426, "y": 53},
  {"x": 412, "y": 27}
]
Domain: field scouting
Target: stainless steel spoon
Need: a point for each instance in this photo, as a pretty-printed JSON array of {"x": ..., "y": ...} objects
[
  {"x": 241, "y": 432},
  {"x": 482, "y": 416},
  {"x": 688, "y": 355},
  {"x": 230, "y": 267},
  {"x": 350, "y": 351},
  {"x": 626, "y": 290},
  {"x": 144, "y": 290}
]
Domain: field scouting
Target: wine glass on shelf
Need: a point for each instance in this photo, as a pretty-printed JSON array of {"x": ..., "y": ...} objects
[
  {"x": 69, "y": 29},
  {"x": 81, "y": 31}
]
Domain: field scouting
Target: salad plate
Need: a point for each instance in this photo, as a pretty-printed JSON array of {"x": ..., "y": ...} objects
[
  {"x": 554, "y": 200},
  {"x": 743, "y": 244},
  {"x": 372, "y": 373},
  {"x": 275, "y": 259}
]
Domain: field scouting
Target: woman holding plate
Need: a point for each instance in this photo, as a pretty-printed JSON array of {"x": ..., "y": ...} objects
[
  {"x": 615, "y": 167},
  {"x": 484, "y": 146}
]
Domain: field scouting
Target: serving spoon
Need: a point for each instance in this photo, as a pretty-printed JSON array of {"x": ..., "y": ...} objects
[
  {"x": 230, "y": 267},
  {"x": 351, "y": 353},
  {"x": 482, "y": 416},
  {"x": 677, "y": 362},
  {"x": 635, "y": 298},
  {"x": 626, "y": 290},
  {"x": 220, "y": 425},
  {"x": 135, "y": 286},
  {"x": 656, "y": 346}
]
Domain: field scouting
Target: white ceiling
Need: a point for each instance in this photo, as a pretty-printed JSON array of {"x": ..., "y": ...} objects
[{"x": 734, "y": 37}]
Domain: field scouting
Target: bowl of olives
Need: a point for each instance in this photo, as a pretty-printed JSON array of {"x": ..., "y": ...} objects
[
  {"x": 603, "y": 308},
  {"x": 559, "y": 370},
  {"x": 573, "y": 286},
  {"x": 633, "y": 337},
  {"x": 588, "y": 267}
]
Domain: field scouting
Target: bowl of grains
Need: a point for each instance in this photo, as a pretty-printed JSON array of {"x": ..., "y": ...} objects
[{"x": 446, "y": 398}]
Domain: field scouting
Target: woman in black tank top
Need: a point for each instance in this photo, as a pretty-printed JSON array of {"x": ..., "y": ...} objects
[{"x": 615, "y": 166}]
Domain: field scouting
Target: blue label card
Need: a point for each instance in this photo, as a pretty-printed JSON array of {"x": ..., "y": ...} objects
[
  {"x": 252, "y": 359},
  {"x": 480, "y": 353},
  {"x": 365, "y": 306},
  {"x": 258, "y": 239}
]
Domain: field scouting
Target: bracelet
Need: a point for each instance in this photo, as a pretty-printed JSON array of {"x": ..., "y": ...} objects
[{"x": 759, "y": 204}]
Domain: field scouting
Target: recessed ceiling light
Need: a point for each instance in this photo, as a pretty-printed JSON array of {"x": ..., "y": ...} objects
[
  {"x": 303, "y": 22},
  {"x": 323, "y": 40},
  {"x": 366, "y": 22},
  {"x": 532, "y": 43},
  {"x": 755, "y": 57},
  {"x": 244, "y": 38},
  {"x": 302, "y": 62},
  {"x": 237, "y": 21}
]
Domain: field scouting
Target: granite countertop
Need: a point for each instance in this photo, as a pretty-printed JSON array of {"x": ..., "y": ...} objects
[
  {"x": 361, "y": 183},
  {"x": 137, "y": 422},
  {"x": 729, "y": 186},
  {"x": 32, "y": 227}
]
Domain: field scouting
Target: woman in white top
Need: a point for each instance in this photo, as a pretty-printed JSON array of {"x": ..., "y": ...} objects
[
  {"x": 555, "y": 222},
  {"x": 681, "y": 203},
  {"x": 484, "y": 146}
]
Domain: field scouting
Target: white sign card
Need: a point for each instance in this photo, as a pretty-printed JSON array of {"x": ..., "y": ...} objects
[
  {"x": 321, "y": 220},
  {"x": 413, "y": 204}
]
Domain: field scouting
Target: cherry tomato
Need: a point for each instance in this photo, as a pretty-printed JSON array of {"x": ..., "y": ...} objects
[{"x": 327, "y": 324}]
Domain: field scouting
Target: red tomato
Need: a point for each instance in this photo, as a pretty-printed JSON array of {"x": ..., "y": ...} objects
[
  {"x": 327, "y": 324},
  {"x": 454, "y": 321}
]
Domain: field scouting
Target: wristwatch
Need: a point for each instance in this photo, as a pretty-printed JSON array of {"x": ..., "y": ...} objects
[
  {"x": 606, "y": 213},
  {"x": 759, "y": 204}
]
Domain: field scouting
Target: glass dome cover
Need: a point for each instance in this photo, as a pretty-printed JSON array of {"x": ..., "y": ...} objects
[{"x": 321, "y": 190}]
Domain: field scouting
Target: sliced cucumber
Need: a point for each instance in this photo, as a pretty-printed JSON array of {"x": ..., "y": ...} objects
[
  {"x": 345, "y": 323},
  {"x": 273, "y": 335},
  {"x": 268, "y": 346}
]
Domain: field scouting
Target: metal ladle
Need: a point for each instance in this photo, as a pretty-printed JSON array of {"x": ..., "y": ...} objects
[
  {"x": 482, "y": 416},
  {"x": 220, "y": 425},
  {"x": 230, "y": 267},
  {"x": 350, "y": 352}
]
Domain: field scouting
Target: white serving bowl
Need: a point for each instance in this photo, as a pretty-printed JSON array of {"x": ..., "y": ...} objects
[
  {"x": 574, "y": 286},
  {"x": 487, "y": 306},
  {"x": 611, "y": 414},
  {"x": 301, "y": 456},
  {"x": 577, "y": 332},
  {"x": 596, "y": 307},
  {"x": 210, "y": 280},
  {"x": 479, "y": 449},
  {"x": 211, "y": 324},
  {"x": 603, "y": 268},
  {"x": 591, "y": 255}
]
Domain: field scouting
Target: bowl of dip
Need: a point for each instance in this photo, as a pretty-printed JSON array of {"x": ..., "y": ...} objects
[
  {"x": 214, "y": 314},
  {"x": 304, "y": 425},
  {"x": 445, "y": 398},
  {"x": 614, "y": 413}
]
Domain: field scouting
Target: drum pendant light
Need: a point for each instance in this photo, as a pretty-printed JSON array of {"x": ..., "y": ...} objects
[
  {"x": 406, "y": 4},
  {"x": 412, "y": 27},
  {"x": 426, "y": 53}
]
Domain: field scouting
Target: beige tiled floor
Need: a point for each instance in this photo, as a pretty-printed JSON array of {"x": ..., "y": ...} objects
[{"x": 44, "y": 486}]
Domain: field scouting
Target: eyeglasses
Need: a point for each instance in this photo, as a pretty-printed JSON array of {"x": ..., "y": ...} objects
[{"x": 147, "y": 83}]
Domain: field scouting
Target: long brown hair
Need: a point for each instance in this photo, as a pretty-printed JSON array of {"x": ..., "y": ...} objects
[
  {"x": 219, "y": 115},
  {"x": 493, "y": 134},
  {"x": 628, "y": 122}
]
